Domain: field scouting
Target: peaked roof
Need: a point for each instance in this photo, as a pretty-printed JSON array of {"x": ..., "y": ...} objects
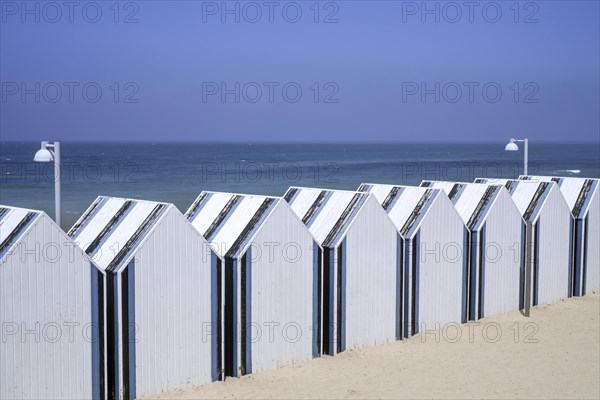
[
  {"x": 326, "y": 213},
  {"x": 228, "y": 220},
  {"x": 528, "y": 196},
  {"x": 471, "y": 200},
  {"x": 576, "y": 191},
  {"x": 112, "y": 227},
  {"x": 14, "y": 222},
  {"x": 406, "y": 205}
]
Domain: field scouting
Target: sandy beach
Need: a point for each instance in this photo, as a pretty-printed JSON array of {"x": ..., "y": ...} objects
[{"x": 553, "y": 354}]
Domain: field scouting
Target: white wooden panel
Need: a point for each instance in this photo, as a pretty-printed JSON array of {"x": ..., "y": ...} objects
[
  {"x": 371, "y": 257},
  {"x": 281, "y": 264},
  {"x": 45, "y": 283},
  {"x": 502, "y": 256},
  {"x": 172, "y": 307}
]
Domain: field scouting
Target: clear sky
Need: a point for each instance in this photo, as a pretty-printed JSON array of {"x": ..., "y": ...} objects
[{"x": 367, "y": 70}]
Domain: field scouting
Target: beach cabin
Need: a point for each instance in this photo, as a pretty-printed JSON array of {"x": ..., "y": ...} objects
[
  {"x": 434, "y": 276},
  {"x": 583, "y": 198},
  {"x": 493, "y": 245},
  {"x": 158, "y": 292},
  {"x": 48, "y": 311},
  {"x": 360, "y": 263},
  {"x": 271, "y": 279},
  {"x": 542, "y": 204}
]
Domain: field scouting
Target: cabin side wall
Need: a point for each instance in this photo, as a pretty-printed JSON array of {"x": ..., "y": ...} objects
[
  {"x": 440, "y": 259},
  {"x": 370, "y": 265},
  {"x": 592, "y": 282},
  {"x": 553, "y": 258},
  {"x": 501, "y": 257},
  {"x": 46, "y": 317},
  {"x": 173, "y": 320},
  {"x": 280, "y": 293}
]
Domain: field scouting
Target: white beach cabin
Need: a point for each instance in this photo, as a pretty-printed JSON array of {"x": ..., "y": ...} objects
[
  {"x": 360, "y": 263},
  {"x": 493, "y": 246},
  {"x": 434, "y": 291},
  {"x": 48, "y": 311},
  {"x": 271, "y": 279},
  {"x": 583, "y": 198},
  {"x": 543, "y": 205},
  {"x": 159, "y": 296}
]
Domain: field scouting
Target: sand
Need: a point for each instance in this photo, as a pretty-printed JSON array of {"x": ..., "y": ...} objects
[{"x": 553, "y": 354}]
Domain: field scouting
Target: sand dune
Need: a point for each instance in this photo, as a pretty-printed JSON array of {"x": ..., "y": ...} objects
[{"x": 553, "y": 354}]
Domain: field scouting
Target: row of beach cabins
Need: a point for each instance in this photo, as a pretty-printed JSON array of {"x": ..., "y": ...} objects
[{"x": 138, "y": 299}]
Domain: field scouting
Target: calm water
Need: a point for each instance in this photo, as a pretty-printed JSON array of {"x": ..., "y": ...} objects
[{"x": 176, "y": 173}]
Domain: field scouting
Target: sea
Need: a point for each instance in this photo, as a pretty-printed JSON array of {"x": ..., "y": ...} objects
[{"x": 178, "y": 172}]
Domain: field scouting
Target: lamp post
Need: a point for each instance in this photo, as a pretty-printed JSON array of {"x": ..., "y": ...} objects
[
  {"x": 512, "y": 146},
  {"x": 47, "y": 153}
]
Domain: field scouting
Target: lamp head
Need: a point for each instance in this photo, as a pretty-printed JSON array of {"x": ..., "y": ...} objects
[
  {"x": 511, "y": 146},
  {"x": 43, "y": 154}
]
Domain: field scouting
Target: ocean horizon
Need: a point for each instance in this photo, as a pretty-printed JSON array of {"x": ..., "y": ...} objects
[{"x": 176, "y": 172}]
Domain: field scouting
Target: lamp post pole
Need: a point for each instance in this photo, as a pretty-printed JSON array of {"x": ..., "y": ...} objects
[
  {"x": 57, "y": 182},
  {"x": 47, "y": 153},
  {"x": 526, "y": 156},
  {"x": 512, "y": 146}
]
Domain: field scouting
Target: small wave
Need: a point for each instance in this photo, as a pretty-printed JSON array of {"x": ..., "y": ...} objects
[{"x": 570, "y": 171}]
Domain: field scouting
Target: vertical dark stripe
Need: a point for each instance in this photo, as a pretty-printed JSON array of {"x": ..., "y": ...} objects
[
  {"x": 482, "y": 272},
  {"x": 339, "y": 327},
  {"x": 465, "y": 278},
  {"x": 571, "y": 254},
  {"x": 243, "y": 315},
  {"x": 577, "y": 259},
  {"x": 340, "y": 297},
  {"x": 102, "y": 335},
  {"x": 316, "y": 296},
  {"x": 97, "y": 343},
  {"x": 320, "y": 299},
  {"x": 398, "y": 287},
  {"x": 585, "y": 247},
  {"x": 536, "y": 262},
  {"x": 248, "y": 339},
  {"x": 132, "y": 330},
  {"x": 415, "y": 298},
  {"x": 111, "y": 326},
  {"x": 125, "y": 331},
  {"x": 406, "y": 289},
  {"x": 326, "y": 301},
  {"x": 473, "y": 249},
  {"x": 218, "y": 310},
  {"x": 523, "y": 249},
  {"x": 230, "y": 363}
]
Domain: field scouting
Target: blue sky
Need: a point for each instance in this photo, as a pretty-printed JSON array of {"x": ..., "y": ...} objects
[{"x": 367, "y": 71}]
